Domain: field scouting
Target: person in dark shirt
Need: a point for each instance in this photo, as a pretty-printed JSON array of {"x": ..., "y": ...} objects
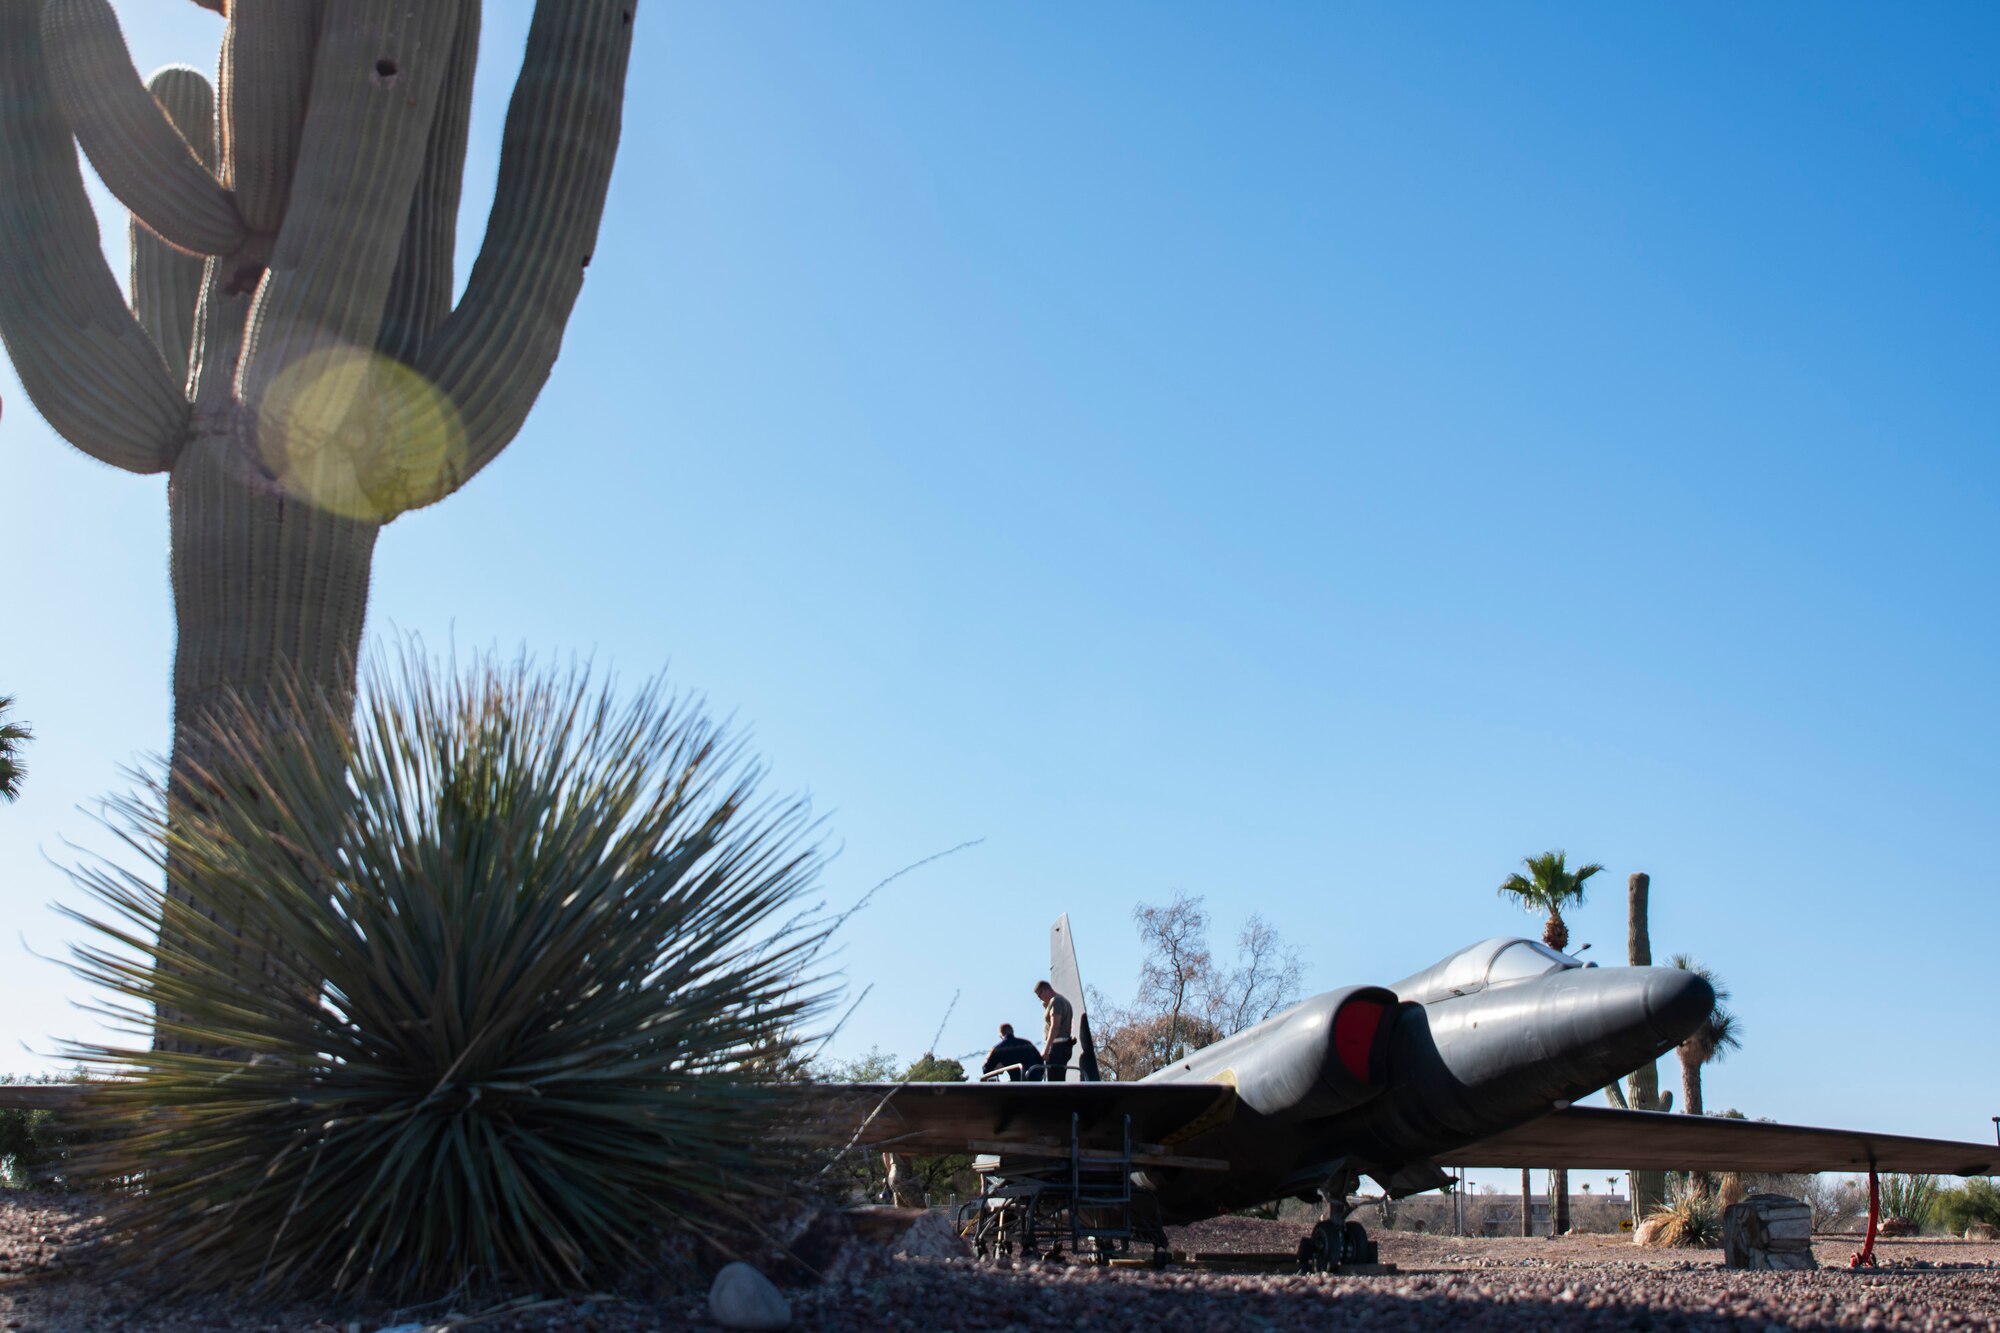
[
  {"x": 1058, "y": 1038},
  {"x": 1013, "y": 1054}
]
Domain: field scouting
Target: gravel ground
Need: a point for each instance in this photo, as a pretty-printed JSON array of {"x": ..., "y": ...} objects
[{"x": 1582, "y": 1282}]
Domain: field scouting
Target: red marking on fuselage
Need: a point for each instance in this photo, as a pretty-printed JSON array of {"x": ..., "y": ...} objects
[{"x": 1354, "y": 1030}]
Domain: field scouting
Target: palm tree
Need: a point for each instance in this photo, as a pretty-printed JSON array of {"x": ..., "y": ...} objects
[
  {"x": 1547, "y": 887},
  {"x": 1718, "y": 1034},
  {"x": 1549, "y": 884},
  {"x": 12, "y": 736}
]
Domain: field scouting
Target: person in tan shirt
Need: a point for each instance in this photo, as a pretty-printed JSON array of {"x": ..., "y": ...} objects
[{"x": 1058, "y": 1038}]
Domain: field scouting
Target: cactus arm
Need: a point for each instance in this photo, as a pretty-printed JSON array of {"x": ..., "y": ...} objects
[
  {"x": 166, "y": 284},
  {"x": 141, "y": 157},
  {"x": 80, "y": 353},
  {"x": 492, "y": 356},
  {"x": 267, "y": 63},
  {"x": 420, "y": 291},
  {"x": 377, "y": 71}
]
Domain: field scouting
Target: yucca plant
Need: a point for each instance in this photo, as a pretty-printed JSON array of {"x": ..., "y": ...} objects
[
  {"x": 1689, "y": 1219},
  {"x": 1910, "y": 1199},
  {"x": 523, "y": 985}
]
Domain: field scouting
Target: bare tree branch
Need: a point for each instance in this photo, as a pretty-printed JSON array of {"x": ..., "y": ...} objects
[{"x": 1185, "y": 999}]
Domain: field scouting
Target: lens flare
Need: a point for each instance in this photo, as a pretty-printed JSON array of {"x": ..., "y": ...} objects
[{"x": 359, "y": 434}]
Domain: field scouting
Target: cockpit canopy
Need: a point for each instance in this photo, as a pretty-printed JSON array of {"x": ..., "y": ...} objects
[{"x": 1493, "y": 962}]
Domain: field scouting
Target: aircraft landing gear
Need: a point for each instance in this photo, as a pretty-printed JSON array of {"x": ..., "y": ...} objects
[
  {"x": 1334, "y": 1243},
  {"x": 1335, "y": 1240}
]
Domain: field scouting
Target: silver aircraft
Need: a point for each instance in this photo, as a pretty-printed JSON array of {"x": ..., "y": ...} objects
[{"x": 1478, "y": 1060}]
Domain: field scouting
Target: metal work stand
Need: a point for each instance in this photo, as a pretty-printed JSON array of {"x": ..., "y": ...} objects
[
  {"x": 1100, "y": 1198},
  {"x": 1085, "y": 1195}
]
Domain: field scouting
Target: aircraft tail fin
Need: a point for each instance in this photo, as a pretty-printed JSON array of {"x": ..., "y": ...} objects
[{"x": 1068, "y": 981}]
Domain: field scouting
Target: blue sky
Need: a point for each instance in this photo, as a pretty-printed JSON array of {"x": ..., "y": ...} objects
[{"x": 1311, "y": 456}]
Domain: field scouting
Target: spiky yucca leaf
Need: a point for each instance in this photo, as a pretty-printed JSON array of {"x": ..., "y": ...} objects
[
  {"x": 1913, "y": 1198},
  {"x": 1689, "y": 1219},
  {"x": 529, "y": 976}
]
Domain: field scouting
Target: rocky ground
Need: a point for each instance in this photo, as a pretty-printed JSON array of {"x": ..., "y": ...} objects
[{"x": 1583, "y": 1282}]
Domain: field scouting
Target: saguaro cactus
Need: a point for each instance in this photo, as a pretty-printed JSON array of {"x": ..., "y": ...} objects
[
  {"x": 291, "y": 358},
  {"x": 1649, "y": 1188}
]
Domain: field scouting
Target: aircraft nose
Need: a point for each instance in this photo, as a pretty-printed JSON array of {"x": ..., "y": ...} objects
[{"x": 1676, "y": 1003}]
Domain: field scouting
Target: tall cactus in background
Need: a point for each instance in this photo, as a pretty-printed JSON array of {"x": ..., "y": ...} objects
[{"x": 291, "y": 358}]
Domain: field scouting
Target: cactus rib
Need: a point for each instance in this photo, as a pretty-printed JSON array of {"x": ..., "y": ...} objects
[
  {"x": 420, "y": 291},
  {"x": 141, "y": 157},
  {"x": 263, "y": 585},
  {"x": 166, "y": 283},
  {"x": 80, "y": 353},
  {"x": 495, "y": 351},
  {"x": 377, "y": 71},
  {"x": 267, "y": 61},
  {"x": 266, "y": 590},
  {"x": 220, "y": 314}
]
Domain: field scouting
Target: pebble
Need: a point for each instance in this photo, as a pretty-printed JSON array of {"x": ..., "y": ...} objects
[
  {"x": 1585, "y": 1282},
  {"x": 744, "y": 1298}
]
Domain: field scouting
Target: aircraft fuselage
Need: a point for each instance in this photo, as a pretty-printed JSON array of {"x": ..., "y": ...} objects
[{"x": 1380, "y": 1081}]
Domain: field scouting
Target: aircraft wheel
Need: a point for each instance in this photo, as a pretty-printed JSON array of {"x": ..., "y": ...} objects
[
  {"x": 1356, "y": 1248},
  {"x": 1322, "y": 1251},
  {"x": 1161, "y": 1258}
]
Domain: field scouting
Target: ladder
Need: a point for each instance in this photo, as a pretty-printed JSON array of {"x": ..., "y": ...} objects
[{"x": 1100, "y": 1195}]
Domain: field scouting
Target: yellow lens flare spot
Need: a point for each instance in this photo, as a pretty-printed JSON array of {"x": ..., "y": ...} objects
[{"x": 359, "y": 434}]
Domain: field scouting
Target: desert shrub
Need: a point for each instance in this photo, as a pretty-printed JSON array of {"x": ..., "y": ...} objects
[
  {"x": 1909, "y": 1197},
  {"x": 1688, "y": 1219},
  {"x": 1976, "y": 1201},
  {"x": 876, "y": 1066},
  {"x": 1838, "y": 1203},
  {"x": 930, "y": 1068},
  {"x": 939, "y": 1176},
  {"x": 859, "y": 1173},
  {"x": 529, "y": 993}
]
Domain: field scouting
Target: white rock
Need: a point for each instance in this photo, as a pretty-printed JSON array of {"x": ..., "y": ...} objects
[
  {"x": 931, "y": 1237},
  {"x": 742, "y": 1297}
]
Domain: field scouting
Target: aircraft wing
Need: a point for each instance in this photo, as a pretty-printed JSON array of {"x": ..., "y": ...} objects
[
  {"x": 962, "y": 1117},
  {"x": 1604, "y": 1138}
]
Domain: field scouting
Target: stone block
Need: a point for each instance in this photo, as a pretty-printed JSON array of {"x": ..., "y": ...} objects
[{"x": 1768, "y": 1232}]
